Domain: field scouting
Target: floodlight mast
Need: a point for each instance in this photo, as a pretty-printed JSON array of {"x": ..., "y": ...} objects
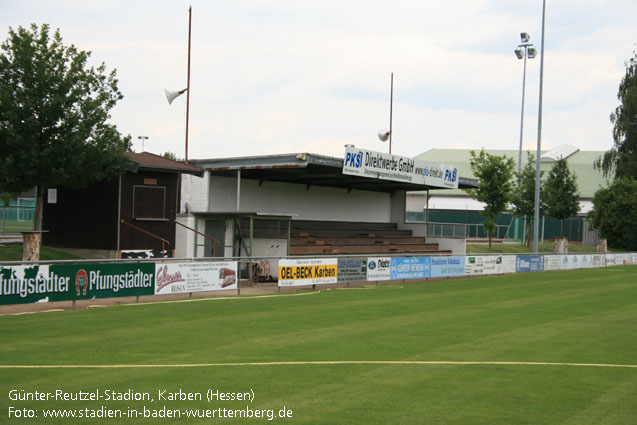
[
  {"x": 523, "y": 51},
  {"x": 143, "y": 138},
  {"x": 536, "y": 215}
]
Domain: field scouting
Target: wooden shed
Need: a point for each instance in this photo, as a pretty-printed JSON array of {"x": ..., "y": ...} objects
[{"x": 130, "y": 215}]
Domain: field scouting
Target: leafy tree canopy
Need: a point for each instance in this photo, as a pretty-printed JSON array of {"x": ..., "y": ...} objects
[
  {"x": 523, "y": 198},
  {"x": 494, "y": 174},
  {"x": 614, "y": 213},
  {"x": 560, "y": 192},
  {"x": 54, "y": 113},
  {"x": 622, "y": 157},
  {"x": 171, "y": 155}
]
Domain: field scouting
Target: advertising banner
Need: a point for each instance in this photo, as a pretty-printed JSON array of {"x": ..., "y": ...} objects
[
  {"x": 447, "y": 266},
  {"x": 378, "y": 268},
  {"x": 489, "y": 264},
  {"x": 508, "y": 263},
  {"x": 86, "y": 281},
  {"x": 610, "y": 260},
  {"x": 410, "y": 268},
  {"x": 582, "y": 261},
  {"x": 361, "y": 162},
  {"x": 311, "y": 271},
  {"x": 28, "y": 284},
  {"x": 476, "y": 264},
  {"x": 529, "y": 263},
  {"x": 597, "y": 260},
  {"x": 179, "y": 278},
  {"x": 620, "y": 259},
  {"x": 352, "y": 269},
  {"x": 552, "y": 262}
]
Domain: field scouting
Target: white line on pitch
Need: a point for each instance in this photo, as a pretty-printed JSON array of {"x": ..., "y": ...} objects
[{"x": 318, "y": 363}]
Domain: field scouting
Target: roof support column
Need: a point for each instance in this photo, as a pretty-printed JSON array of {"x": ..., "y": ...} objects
[
  {"x": 427, "y": 215},
  {"x": 238, "y": 190}
]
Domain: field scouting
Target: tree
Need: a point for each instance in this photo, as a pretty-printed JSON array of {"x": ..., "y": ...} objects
[
  {"x": 171, "y": 155},
  {"x": 523, "y": 199},
  {"x": 54, "y": 112},
  {"x": 560, "y": 193},
  {"x": 622, "y": 157},
  {"x": 614, "y": 213},
  {"x": 494, "y": 174}
]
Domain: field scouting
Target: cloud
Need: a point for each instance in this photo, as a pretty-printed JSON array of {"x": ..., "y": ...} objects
[{"x": 274, "y": 76}]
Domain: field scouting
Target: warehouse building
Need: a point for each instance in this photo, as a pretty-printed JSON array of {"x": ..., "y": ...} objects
[{"x": 456, "y": 207}]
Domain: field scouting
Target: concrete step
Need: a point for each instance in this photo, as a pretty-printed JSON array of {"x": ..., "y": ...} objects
[
  {"x": 361, "y": 249},
  {"x": 357, "y": 240}
]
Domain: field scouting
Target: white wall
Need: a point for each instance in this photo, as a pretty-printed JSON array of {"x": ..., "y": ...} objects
[
  {"x": 456, "y": 246},
  {"x": 417, "y": 202},
  {"x": 194, "y": 191},
  {"x": 184, "y": 239},
  {"x": 317, "y": 203}
]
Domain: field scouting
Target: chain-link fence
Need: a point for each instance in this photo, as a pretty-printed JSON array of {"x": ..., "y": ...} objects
[{"x": 17, "y": 217}]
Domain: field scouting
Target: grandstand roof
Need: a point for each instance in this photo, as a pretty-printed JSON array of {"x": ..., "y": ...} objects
[{"x": 309, "y": 169}]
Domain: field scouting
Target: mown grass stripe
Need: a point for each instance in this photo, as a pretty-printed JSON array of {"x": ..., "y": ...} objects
[{"x": 321, "y": 363}]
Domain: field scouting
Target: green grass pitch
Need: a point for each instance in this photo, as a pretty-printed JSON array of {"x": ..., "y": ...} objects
[{"x": 587, "y": 317}]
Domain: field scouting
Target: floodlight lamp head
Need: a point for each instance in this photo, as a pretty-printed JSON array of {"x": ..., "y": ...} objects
[
  {"x": 171, "y": 95},
  {"x": 525, "y": 37},
  {"x": 532, "y": 52},
  {"x": 519, "y": 53},
  {"x": 383, "y": 135}
]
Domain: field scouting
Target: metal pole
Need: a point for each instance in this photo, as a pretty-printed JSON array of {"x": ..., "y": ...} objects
[
  {"x": 391, "y": 106},
  {"x": 188, "y": 86},
  {"x": 427, "y": 215},
  {"x": 119, "y": 216},
  {"x": 536, "y": 216},
  {"x": 522, "y": 117},
  {"x": 238, "y": 190}
]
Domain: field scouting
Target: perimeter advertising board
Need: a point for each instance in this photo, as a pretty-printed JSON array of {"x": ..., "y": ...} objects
[
  {"x": 597, "y": 260},
  {"x": 552, "y": 262},
  {"x": 410, "y": 268},
  {"x": 529, "y": 263},
  {"x": 364, "y": 163},
  {"x": 447, "y": 266},
  {"x": 28, "y": 284},
  {"x": 378, "y": 268},
  {"x": 489, "y": 264},
  {"x": 24, "y": 284},
  {"x": 179, "y": 278},
  {"x": 352, "y": 269},
  {"x": 311, "y": 271},
  {"x": 620, "y": 259},
  {"x": 570, "y": 262},
  {"x": 107, "y": 280}
]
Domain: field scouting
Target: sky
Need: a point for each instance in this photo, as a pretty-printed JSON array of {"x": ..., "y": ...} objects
[{"x": 288, "y": 76}]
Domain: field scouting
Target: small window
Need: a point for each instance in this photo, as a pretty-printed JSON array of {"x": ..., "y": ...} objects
[{"x": 149, "y": 202}]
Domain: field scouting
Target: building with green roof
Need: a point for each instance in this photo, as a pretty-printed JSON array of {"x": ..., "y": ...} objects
[{"x": 455, "y": 206}]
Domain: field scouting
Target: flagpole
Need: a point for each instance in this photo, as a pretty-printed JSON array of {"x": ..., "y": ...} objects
[
  {"x": 391, "y": 105},
  {"x": 188, "y": 86}
]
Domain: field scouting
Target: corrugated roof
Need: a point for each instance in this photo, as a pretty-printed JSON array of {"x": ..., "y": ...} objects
[
  {"x": 149, "y": 161},
  {"x": 555, "y": 154},
  {"x": 589, "y": 179}
]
